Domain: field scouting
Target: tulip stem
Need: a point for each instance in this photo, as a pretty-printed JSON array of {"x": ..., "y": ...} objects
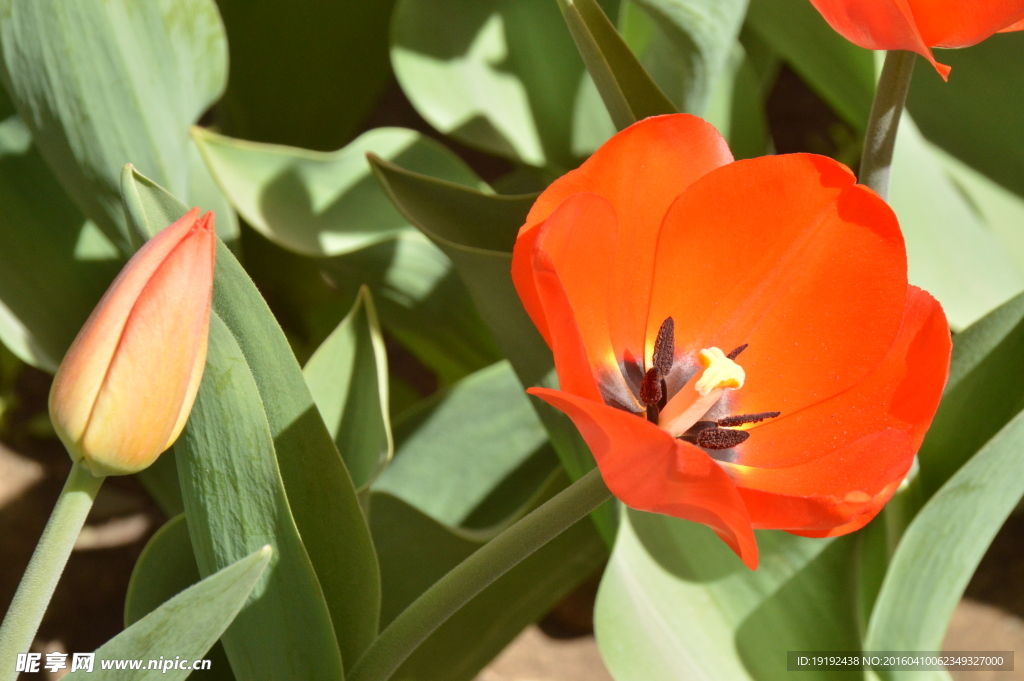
[
  {"x": 442, "y": 600},
  {"x": 45, "y": 568},
  {"x": 880, "y": 138}
]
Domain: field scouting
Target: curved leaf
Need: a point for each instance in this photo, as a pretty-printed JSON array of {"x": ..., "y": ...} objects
[
  {"x": 628, "y": 92},
  {"x": 936, "y": 557},
  {"x": 348, "y": 377},
  {"x": 322, "y": 203},
  {"x": 187, "y": 625},
  {"x": 165, "y": 568}
]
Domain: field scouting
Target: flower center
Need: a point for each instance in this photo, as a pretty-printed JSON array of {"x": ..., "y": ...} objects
[{"x": 685, "y": 414}]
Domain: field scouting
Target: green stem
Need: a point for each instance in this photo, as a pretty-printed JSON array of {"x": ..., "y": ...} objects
[
  {"x": 880, "y": 138},
  {"x": 44, "y": 570},
  {"x": 442, "y": 600}
]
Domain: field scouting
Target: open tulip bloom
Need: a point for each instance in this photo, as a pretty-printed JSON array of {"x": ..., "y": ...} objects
[
  {"x": 736, "y": 341},
  {"x": 919, "y": 25}
]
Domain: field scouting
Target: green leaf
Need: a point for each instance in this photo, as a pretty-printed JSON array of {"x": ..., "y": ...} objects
[
  {"x": 348, "y": 377},
  {"x": 165, "y": 568},
  {"x": 307, "y": 77},
  {"x": 686, "y": 46},
  {"x": 477, "y": 231},
  {"x": 415, "y": 551},
  {"x": 942, "y": 547},
  {"x": 951, "y": 252},
  {"x": 1000, "y": 209},
  {"x": 975, "y": 116},
  {"x": 455, "y": 450},
  {"x": 188, "y": 624},
  {"x": 840, "y": 72},
  {"x": 317, "y": 203},
  {"x": 628, "y": 92},
  {"x": 254, "y": 433},
  {"x": 54, "y": 266},
  {"x": 101, "y": 84},
  {"x": 676, "y": 603},
  {"x": 499, "y": 75},
  {"x": 983, "y": 393}
]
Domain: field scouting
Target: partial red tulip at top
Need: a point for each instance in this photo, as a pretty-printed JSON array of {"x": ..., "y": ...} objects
[
  {"x": 736, "y": 341},
  {"x": 918, "y": 25},
  {"x": 125, "y": 388}
]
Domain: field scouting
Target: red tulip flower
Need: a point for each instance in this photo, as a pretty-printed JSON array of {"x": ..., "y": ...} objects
[
  {"x": 919, "y": 25},
  {"x": 736, "y": 341}
]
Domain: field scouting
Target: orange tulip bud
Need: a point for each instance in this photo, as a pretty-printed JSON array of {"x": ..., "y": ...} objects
[{"x": 125, "y": 388}]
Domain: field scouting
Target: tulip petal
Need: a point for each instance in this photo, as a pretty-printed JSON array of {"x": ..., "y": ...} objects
[
  {"x": 84, "y": 368},
  {"x": 141, "y": 400},
  {"x": 649, "y": 470},
  {"x": 1016, "y": 26},
  {"x": 903, "y": 392},
  {"x": 573, "y": 251},
  {"x": 869, "y": 435},
  {"x": 786, "y": 254},
  {"x": 640, "y": 170},
  {"x": 849, "y": 484},
  {"x": 956, "y": 23},
  {"x": 878, "y": 25}
]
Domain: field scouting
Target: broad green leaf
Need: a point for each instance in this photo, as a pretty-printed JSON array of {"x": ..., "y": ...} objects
[
  {"x": 323, "y": 203},
  {"x": 942, "y": 547},
  {"x": 499, "y": 75},
  {"x": 627, "y": 90},
  {"x": 976, "y": 115},
  {"x": 676, "y": 603},
  {"x": 54, "y": 265},
  {"x": 165, "y": 568},
  {"x": 101, "y": 84},
  {"x": 840, "y": 72},
  {"x": 477, "y": 231},
  {"x": 1001, "y": 209},
  {"x": 348, "y": 377},
  {"x": 687, "y": 47},
  {"x": 304, "y": 75},
  {"x": 984, "y": 392},
  {"x": 188, "y": 624},
  {"x": 951, "y": 253},
  {"x": 456, "y": 449},
  {"x": 253, "y": 434},
  {"x": 416, "y": 550}
]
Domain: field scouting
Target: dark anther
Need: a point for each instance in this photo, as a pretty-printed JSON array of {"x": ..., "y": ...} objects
[
  {"x": 740, "y": 419},
  {"x": 736, "y": 353},
  {"x": 720, "y": 438},
  {"x": 664, "y": 395},
  {"x": 664, "y": 347},
  {"x": 650, "y": 388}
]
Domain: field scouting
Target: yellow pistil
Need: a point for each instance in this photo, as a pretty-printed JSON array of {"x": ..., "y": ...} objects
[
  {"x": 719, "y": 372},
  {"x": 686, "y": 408}
]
